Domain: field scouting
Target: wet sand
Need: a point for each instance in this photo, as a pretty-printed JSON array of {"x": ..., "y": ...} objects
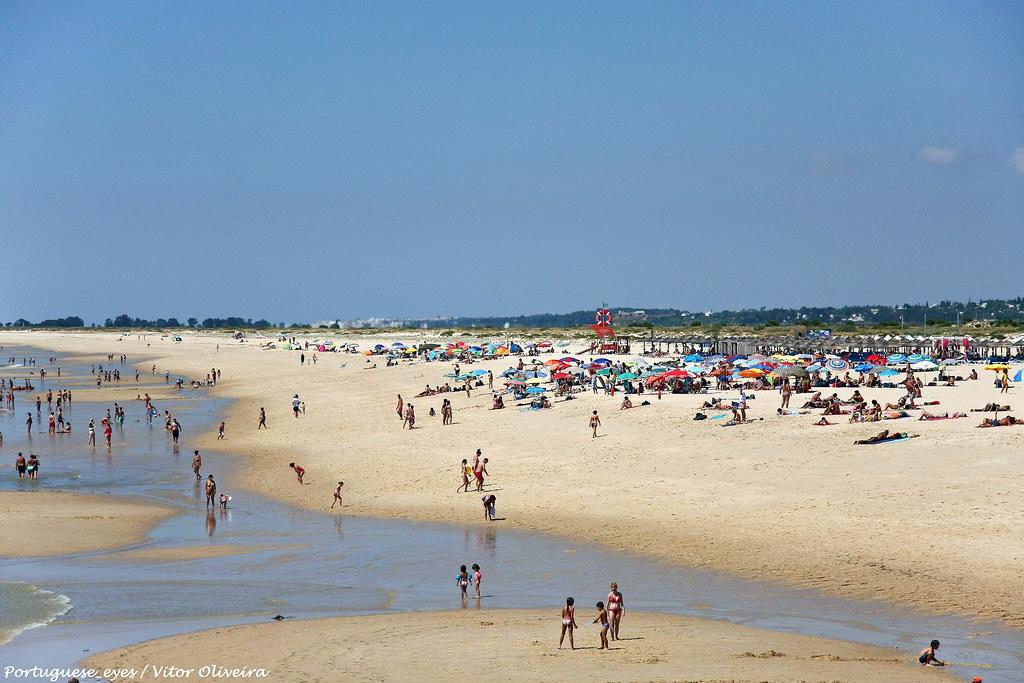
[
  {"x": 929, "y": 522},
  {"x": 46, "y": 523},
  {"x": 489, "y": 644}
]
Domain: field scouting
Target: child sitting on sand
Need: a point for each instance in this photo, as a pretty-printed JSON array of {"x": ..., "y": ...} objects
[{"x": 927, "y": 656}]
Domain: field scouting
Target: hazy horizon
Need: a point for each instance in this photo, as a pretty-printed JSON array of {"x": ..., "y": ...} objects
[{"x": 386, "y": 160}]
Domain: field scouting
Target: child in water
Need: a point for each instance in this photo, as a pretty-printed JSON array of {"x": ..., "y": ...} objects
[
  {"x": 462, "y": 579},
  {"x": 477, "y": 578},
  {"x": 602, "y": 616}
]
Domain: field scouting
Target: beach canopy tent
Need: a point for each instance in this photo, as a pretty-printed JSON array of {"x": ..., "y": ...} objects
[{"x": 1018, "y": 376}]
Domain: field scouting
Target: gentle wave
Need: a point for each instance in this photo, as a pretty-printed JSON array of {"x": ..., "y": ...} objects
[{"x": 26, "y": 607}]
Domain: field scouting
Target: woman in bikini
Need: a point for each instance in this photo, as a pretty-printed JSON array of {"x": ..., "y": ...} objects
[
  {"x": 568, "y": 622},
  {"x": 616, "y": 607}
]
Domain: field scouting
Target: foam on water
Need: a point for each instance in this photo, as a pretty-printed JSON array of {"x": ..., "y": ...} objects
[{"x": 26, "y": 606}]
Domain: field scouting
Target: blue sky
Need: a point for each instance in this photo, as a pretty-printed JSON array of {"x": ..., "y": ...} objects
[{"x": 296, "y": 161}]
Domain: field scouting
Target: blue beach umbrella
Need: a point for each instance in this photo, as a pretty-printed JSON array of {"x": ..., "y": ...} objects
[
  {"x": 536, "y": 390},
  {"x": 837, "y": 364},
  {"x": 889, "y": 372},
  {"x": 1019, "y": 377}
]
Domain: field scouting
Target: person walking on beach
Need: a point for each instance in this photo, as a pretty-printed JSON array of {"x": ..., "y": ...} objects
[
  {"x": 616, "y": 608},
  {"x": 20, "y": 465},
  {"x": 568, "y": 623},
  {"x": 787, "y": 391},
  {"x": 92, "y": 434},
  {"x": 28, "y": 422},
  {"x": 263, "y": 420},
  {"x": 410, "y": 416},
  {"x": 399, "y": 408},
  {"x": 296, "y": 404},
  {"x": 32, "y": 466},
  {"x": 595, "y": 422},
  {"x": 211, "y": 491},
  {"x": 108, "y": 431},
  {"x": 479, "y": 471},
  {"x": 446, "y": 412},
  {"x": 602, "y": 617},
  {"x": 220, "y": 432},
  {"x": 300, "y": 471},
  {"x": 337, "y": 495},
  {"x": 197, "y": 464},
  {"x": 466, "y": 471},
  {"x": 175, "y": 430}
]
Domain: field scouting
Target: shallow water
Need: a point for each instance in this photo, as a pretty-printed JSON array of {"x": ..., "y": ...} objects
[{"x": 315, "y": 564}]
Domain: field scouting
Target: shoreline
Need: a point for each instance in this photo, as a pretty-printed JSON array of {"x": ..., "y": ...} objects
[
  {"x": 462, "y": 644},
  {"x": 878, "y": 575}
]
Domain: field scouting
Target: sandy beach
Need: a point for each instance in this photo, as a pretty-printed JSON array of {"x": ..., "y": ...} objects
[
  {"x": 464, "y": 645},
  {"x": 931, "y": 522},
  {"x": 57, "y": 523}
]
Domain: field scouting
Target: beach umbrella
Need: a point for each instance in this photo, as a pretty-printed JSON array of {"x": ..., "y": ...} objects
[
  {"x": 888, "y": 372},
  {"x": 1017, "y": 377},
  {"x": 815, "y": 368},
  {"x": 751, "y": 373},
  {"x": 627, "y": 375},
  {"x": 676, "y": 373},
  {"x": 536, "y": 390},
  {"x": 516, "y": 382},
  {"x": 604, "y": 371},
  {"x": 896, "y": 358},
  {"x": 560, "y": 375},
  {"x": 917, "y": 358},
  {"x": 997, "y": 366},
  {"x": 515, "y": 348},
  {"x": 535, "y": 380},
  {"x": 694, "y": 358},
  {"x": 479, "y": 373},
  {"x": 924, "y": 365},
  {"x": 837, "y": 364},
  {"x": 553, "y": 362},
  {"x": 544, "y": 345},
  {"x": 602, "y": 361},
  {"x": 535, "y": 374}
]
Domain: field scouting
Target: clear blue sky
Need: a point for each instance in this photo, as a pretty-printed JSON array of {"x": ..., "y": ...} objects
[{"x": 303, "y": 160}]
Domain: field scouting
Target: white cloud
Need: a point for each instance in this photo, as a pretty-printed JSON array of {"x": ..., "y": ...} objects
[
  {"x": 1017, "y": 160},
  {"x": 938, "y": 155}
]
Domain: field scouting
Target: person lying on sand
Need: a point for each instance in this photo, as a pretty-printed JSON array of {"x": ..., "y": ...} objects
[
  {"x": 885, "y": 435},
  {"x": 990, "y": 407},
  {"x": 898, "y": 405},
  {"x": 791, "y": 411},
  {"x": 823, "y": 422},
  {"x": 945, "y": 416},
  {"x": 895, "y": 414},
  {"x": 1002, "y": 422},
  {"x": 715, "y": 404}
]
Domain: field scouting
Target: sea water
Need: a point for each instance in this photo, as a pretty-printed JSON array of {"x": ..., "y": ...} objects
[{"x": 24, "y": 606}]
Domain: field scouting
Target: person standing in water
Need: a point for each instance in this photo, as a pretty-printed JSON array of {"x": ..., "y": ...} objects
[
  {"x": 478, "y": 577},
  {"x": 462, "y": 581},
  {"x": 568, "y": 622},
  {"x": 211, "y": 491},
  {"x": 197, "y": 464},
  {"x": 616, "y": 608}
]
